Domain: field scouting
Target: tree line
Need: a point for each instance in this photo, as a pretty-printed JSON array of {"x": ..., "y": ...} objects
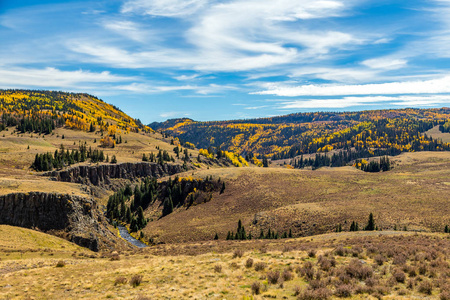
[{"x": 62, "y": 158}]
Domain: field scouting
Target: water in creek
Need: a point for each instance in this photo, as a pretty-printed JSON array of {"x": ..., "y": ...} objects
[{"x": 126, "y": 236}]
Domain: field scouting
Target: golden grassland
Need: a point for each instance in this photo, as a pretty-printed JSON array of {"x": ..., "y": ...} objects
[
  {"x": 17, "y": 152},
  {"x": 413, "y": 195},
  {"x": 362, "y": 265},
  {"x": 437, "y": 134}
]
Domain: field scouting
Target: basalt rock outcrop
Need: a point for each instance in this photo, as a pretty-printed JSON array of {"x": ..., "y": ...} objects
[
  {"x": 101, "y": 174},
  {"x": 74, "y": 218}
]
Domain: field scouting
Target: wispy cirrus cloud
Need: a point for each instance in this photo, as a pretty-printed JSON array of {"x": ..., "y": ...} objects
[
  {"x": 52, "y": 77},
  {"x": 261, "y": 35},
  {"x": 345, "y": 102},
  {"x": 163, "y": 8},
  {"x": 432, "y": 86}
]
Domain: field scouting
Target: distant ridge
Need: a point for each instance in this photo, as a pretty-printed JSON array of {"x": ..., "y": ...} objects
[{"x": 305, "y": 133}]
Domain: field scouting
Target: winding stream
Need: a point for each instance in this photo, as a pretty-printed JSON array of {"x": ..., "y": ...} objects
[{"x": 126, "y": 236}]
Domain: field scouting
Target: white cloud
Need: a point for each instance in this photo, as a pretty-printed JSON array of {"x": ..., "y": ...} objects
[
  {"x": 173, "y": 114},
  {"x": 405, "y": 101},
  {"x": 433, "y": 86},
  {"x": 229, "y": 36},
  {"x": 186, "y": 77},
  {"x": 51, "y": 77},
  {"x": 126, "y": 28},
  {"x": 337, "y": 74},
  {"x": 385, "y": 63},
  {"x": 164, "y": 8}
]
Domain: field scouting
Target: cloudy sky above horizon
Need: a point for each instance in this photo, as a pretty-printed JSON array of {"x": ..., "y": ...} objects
[{"x": 216, "y": 60}]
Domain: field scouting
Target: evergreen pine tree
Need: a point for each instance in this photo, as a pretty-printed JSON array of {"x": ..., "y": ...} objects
[{"x": 370, "y": 224}]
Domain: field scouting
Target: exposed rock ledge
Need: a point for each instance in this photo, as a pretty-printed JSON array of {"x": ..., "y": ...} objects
[
  {"x": 74, "y": 218},
  {"x": 101, "y": 174}
]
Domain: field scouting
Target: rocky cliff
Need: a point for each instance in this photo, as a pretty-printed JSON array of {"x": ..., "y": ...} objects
[
  {"x": 72, "y": 217},
  {"x": 101, "y": 174}
]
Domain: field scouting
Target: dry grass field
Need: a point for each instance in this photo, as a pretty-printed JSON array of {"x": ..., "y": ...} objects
[
  {"x": 437, "y": 134},
  {"x": 413, "y": 195},
  {"x": 361, "y": 265}
]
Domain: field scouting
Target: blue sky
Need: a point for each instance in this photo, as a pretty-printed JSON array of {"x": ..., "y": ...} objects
[{"x": 216, "y": 60}]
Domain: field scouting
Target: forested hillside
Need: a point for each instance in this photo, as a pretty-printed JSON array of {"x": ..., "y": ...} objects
[
  {"x": 43, "y": 111},
  {"x": 378, "y": 132}
]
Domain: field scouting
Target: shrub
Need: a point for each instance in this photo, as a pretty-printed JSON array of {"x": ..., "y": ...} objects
[
  {"x": 260, "y": 266},
  {"x": 136, "y": 280},
  {"x": 340, "y": 251},
  {"x": 379, "y": 259},
  {"x": 399, "y": 276},
  {"x": 317, "y": 284},
  {"x": 325, "y": 263},
  {"x": 256, "y": 288},
  {"x": 238, "y": 253},
  {"x": 399, "y": 259},
  {"x": 120, "y": 280},
  {"x": 410, "y": 284},
  {"x": 273, "y": 276},
  {"x": 371, "y": 282},
  {"x": 218, "y": 268},
  {"x": 287, "y": 275},
  {"x": 344, "y": 291},
  {"x": 423, "y": 269},
  {"x": 426, "y": 287},
  {"x": 114, "y": 256},
  {"x": 249, "y": 263},
  {"x": 445, "y": 295},
  {"x": 60, "y": 264},
  {"x": 319, "y": 294},
  {"x": 356, "y": 269},
  {"x": 234, "y": 265},
  {"x": 312, "y": 253},
  {"x": 297, "y": 290}
]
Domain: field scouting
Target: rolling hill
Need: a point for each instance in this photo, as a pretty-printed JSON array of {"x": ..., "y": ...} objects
[{"x": 393, "y": 131}]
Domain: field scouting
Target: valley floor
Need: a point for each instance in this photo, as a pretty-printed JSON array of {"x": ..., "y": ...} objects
[{"x": 361, "y": 265}]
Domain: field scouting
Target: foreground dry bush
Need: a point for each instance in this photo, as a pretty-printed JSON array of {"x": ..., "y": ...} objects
[{"x": 376, "y": 266}]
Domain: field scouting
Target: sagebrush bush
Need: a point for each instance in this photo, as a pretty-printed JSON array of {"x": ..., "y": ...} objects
[
  {"x": 379, "y": 259},
  {"x": 445, "y": 295},
  {"x": 120, "y": 280},
  {"x": 249, "y": 263},
  {"x": 319, "y": 294},
  {"x": 426, "y": 287},
  {"x": 136, "y": 280},
  {"x": 399, "y": 276},
  {"x": 340, "y": 251},
  {"x": 287, "y": 275},
  {"x": 344, "y": 291},
  {"x": 218, "y": 268},
  {"x": 356, "y": 269},
  {"x": 238, "y": 253},
  {"x": 260, "y": 266},
  {"x": 60, "y": 264},
  {"x": 256, "y": 288},
  {"x": 297, "y": 290},
  {"x": 273, "y": 276},
  {"x": 312, "y": 252}
]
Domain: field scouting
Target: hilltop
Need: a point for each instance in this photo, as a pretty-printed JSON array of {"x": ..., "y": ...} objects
[{"x": 286, "y": 137}]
